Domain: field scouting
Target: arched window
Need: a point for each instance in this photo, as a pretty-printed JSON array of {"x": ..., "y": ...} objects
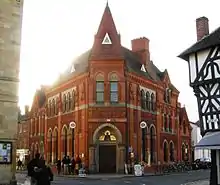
[
  {"x": 70, "y": 100},
  {"x": 170, "y": 123},
  {"x": 152, "y": 102},
  {"x": 53, "y": 107},
  {"x": 165, "y": 122},
  {"x": 49, "y": 108},
  {"x": 64, "y": 103},
  {"x": 171, "y": 151},
  {"x": 57, "y": 106},
  {"x": 99, "y": 89},
  {"x": 73, "y": 100},
  {"x": 67, "y": 102},
  {"x": 152, "y": 144},
  {"x": 148, "y": 100},
  {"x": 114, "y": 88},
  {"x": 165, "y": 151},
  {"x": 143, "y": 99}
]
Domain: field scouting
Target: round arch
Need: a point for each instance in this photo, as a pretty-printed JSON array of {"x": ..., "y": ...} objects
[{"x": 96, "y": 132}]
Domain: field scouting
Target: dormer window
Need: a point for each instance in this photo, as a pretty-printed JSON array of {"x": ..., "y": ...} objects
[{"x": 167, "y": 95}]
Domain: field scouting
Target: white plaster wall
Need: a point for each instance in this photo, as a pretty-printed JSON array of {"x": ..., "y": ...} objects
[{"x": 196, "y": 137}]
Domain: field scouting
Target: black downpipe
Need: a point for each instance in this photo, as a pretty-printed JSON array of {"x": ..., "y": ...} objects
[
  {"x": 143, "y": 144},
  {"x": 127, "y": 123}
]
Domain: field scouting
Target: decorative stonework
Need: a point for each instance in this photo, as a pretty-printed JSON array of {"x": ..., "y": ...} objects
[{"x": 107, "y": 113}]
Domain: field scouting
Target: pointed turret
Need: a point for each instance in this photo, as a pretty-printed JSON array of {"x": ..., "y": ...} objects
[{"x": 107, "y": 45}]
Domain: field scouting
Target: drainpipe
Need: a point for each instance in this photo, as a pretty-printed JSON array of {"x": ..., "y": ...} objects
[{"x": 127, "y": 123}]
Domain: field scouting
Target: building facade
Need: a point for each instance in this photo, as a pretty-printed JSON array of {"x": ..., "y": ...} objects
[
  {"x": 96, "y": 106},
  {"x": 22, "y": 150},
  {"x": 10, "y": 39}
]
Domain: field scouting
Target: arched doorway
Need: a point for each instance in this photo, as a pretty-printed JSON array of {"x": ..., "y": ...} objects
[
  {"x": 171, "y": 147},
  {"x": 165, "y": 151},
  {"x": 55, "y": 142},
  {"x": 107, "y": 153},
  {"x": 65, "y": 140},
  {"x": 152, "y": 143},
  {"x": 50, "y": 145}
]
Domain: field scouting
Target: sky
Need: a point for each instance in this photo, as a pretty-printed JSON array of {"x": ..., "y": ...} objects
[{"x": 54, "y": 32}]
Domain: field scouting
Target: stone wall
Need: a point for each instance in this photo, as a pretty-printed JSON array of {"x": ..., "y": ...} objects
[{"x": 10, "y": 37}]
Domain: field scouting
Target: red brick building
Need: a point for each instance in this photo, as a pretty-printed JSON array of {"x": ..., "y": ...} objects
[
  {"x": 23, "y": 135},
  {"x": 106, "y": 93}
]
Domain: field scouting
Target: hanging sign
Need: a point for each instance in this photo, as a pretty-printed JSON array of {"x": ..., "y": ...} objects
[{"x": 72, "y": 125}]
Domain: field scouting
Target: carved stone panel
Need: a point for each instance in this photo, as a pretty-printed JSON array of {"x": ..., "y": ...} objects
[{"x": 107, "y": 113}]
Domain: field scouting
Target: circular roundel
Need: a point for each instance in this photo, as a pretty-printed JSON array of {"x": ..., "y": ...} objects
[
  {"x": 143, "y": 124},
  {"x": 72, "y": 124}
]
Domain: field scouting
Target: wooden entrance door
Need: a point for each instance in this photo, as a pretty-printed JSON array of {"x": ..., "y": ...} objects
[{"x": 107, "y": 159}]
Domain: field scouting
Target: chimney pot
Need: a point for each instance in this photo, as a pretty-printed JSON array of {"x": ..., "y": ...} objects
[{"x": 202, "y": 27}]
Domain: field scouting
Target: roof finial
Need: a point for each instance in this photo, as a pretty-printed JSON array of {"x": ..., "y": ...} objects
[{"x": 107, "y": 3}]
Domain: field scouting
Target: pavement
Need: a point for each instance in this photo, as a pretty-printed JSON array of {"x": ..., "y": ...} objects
[{"x": 185, "y": 178}]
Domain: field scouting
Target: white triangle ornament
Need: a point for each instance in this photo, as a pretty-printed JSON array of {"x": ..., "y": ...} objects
[
  {"x": 143, "y": 68},
  {"x": 106, "y": 39}
]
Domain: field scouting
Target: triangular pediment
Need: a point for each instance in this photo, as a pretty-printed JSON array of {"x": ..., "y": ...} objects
[{"x": 106, "y": 39}]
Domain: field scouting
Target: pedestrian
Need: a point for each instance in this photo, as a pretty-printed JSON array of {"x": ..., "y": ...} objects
[
  {"x": 34, "y": 167},
  {"x": 58, "y": 166},
  {"x": 46, "y": 175}
]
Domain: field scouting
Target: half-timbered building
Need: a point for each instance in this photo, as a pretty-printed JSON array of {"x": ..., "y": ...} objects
[{"x": 96, "y": 106}]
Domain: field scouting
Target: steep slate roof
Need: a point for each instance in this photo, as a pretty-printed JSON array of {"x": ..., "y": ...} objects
[
  {"x": 111, "y": 52},
  {"x": 213, "y": 39}
]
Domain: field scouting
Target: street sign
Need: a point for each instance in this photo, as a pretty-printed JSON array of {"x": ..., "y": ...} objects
[
  {"x": 72, "y": 124},
  {"x": 143, "y": 124}
]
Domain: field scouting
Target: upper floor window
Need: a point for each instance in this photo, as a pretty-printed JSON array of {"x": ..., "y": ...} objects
[
  {"x": 113, "y": 92},
  {"x": 73, "y": 100},
  {"x": 99, "y": 89},
  {"x": 148, "y": 100},
  {"x": 165, "y": 122},
  {"x": 68, "y": 101},
  {"x": 64, "y": 103},
  {"x": 143, "y": 99},
  {"x": 113, "y": 88},
  {"x": 167, "y": 95},
  {"x": 170, "y": 123},
  {"x": 53, "y": 111},
  {"x": 152, "y": 102}
]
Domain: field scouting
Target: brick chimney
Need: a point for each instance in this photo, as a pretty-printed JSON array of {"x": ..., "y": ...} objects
[
  {"x": 140, "y": 46},
  {"x": 202, "y": 27}
]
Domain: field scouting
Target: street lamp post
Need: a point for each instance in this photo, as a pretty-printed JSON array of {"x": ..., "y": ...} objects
[
  {"x": 143, "y": 126},
  {"x": 204, "y": 73},
  {"x": 72, "y": 125}
]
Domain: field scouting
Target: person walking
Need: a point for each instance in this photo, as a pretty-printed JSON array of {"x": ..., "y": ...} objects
[{"x": 34, "y": 167}]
